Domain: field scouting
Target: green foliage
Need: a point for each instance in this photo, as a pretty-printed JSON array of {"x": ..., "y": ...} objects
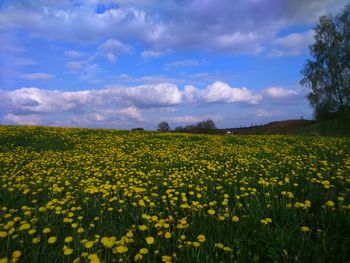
[
  {"x": 267, "y": 198},
  {"x": 327, "y": 74}
]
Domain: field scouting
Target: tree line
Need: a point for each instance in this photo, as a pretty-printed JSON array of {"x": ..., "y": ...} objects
[{"x": 201, "y": 127}]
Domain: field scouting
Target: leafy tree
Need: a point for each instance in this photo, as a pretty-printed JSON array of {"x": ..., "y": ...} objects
[
  {"x": 164, "y": 127},
  {"x": 206, "y": 125},
  {"x": 327, "y": 74}
]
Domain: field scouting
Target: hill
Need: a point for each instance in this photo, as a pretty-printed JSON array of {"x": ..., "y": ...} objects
[{"x": 299, "y": 127}]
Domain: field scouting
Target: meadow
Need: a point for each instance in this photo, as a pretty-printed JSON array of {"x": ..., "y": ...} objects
[{"x": 80, "y": 195}]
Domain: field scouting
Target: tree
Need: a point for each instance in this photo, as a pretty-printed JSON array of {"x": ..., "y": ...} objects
[
  {"x": 206, "y": 125},
  {"x": 164, "y": 127},
  {"x": 327, "y": 74}
]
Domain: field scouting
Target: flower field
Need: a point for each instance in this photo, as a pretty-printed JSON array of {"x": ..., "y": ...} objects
[{"x": 79, "y": 195}]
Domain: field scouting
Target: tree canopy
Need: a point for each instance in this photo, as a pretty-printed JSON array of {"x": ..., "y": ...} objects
[
  {"x": 327, "y": 74},
  {"x": 164, "y": 127}
]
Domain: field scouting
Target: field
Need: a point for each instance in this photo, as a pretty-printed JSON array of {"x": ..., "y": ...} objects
[{"x": 79, "y": 195}]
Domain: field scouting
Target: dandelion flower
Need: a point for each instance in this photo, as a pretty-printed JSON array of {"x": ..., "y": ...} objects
[
  {"x": 201, "y": 238},
  {"x": 121, "y": 249},
  {"x": 235, "y": 219},
  {"x": 149, "y": 240},
  {"x": 52, "y": 240},
  {"x": 304, "y": 229}
]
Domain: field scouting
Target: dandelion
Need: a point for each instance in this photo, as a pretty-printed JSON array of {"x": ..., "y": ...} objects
[
  {"x": 46, "y": 230},
  {"x": 121, "y": 249},
  {"x": 89, "y": 244},
  {"x": 166, "y": 259},
  {"x": 235, "y": 219},
  {"x": 201, "y": 238},
  {"x": 330, "y": 203},
  {"x": 149, "y": 240},
  {"x": 143, "y": 251},
  {"x": 52, "y": 240},
  {"x": 304, "y": 229},
  {"x": 167, "y": 235},
  {"x": 94, "y": 258},
  {"x": 3, "y": 234},
  {"x": 211, "y": 212},
  {"x": 68, "y": 251},
  {"x": 107, "y": 242},
  {"x": 68, "y": 239},
  {"x": 16, "y": 254}
]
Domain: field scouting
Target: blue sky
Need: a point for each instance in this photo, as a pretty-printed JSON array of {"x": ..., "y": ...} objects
[{"x": 124, "y": 64}]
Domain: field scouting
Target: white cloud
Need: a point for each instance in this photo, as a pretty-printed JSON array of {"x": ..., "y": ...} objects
[
  {"x": 74, "y": 54},
  {"x": 112, "y": 48},
  {"x": 31, "y": 119},
  {"x": 185, "y": 63},
  {"x": 147, "y": 54},
  {"x": 222, "y": 92},
  {"x": 279, "y": 92},
  {"x": 33, "y": 76},
  {"x": 194, "y": 119},
  {"x": 75, "y": 66},
  {"x": 264, "y": 113},
  {"x": 205, "y": 25},
  {"x": 293, "y": 44},
  {"x": 156, "y": 95}
]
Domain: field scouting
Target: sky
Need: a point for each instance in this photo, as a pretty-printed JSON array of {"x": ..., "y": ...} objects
[{"x": 125, "y": 64}]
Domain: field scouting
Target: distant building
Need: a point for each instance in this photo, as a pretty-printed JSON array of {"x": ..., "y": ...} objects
[{"x": 228, "y": 132}]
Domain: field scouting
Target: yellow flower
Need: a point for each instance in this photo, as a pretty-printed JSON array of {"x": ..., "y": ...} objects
[
  {"x": 143, "y": 251},
  {"x": 211, "y": 212},
  {"x": 52, "y": 240},
  {"x": 3, "y": 234},
  {"x": 16, "y": 254},
  {"x": 36, "y": 240},
  {"x": 107, "y": 242},
  {"x": 138, "y": 257},
  {"x": 304, "y": 229},
  {"x": 330, "y": 203},
  {"x": 228, "y": 249},
  {"x": 143, "y": 227},
  {"x": 4, "y": 260},
  {"x": 235, "y": 219},
  {"x": 167, "y": 235},
  {"x": 68, "y": 239},
  {"x": 24, "y": 226},
  {"x": 67, "y": 251},
  {"x": 196, "y": 244},
  {"x": 80, "y": 230},
  {"x": 149, "y": 240},
  {"x": 201, "y": 238},
  {"x": 94, "y": 258},
  {"x": 166, "y": 259},
  {"x": 121, "y": 249},
  {"x": 89, "y": 244},
  {"x": 46, "y": 230}
]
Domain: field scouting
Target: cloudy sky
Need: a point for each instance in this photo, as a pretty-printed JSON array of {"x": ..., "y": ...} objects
[{"x": 125, "y": 64}]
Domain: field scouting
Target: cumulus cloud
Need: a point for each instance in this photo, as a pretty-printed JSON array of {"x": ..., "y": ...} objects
[
  {"x": 185, "y": 63},
  {"x": 265, "y": 113},
  {"x": 222, "y": 92},
  {"x": 194, "y": 119},
  {"x": 31, "y": 119},
  {"x": 279, "y": 92},
  {"x": 112, "y": 48},
  {"x": 33, "y": 76},
  {"x": 147, "y": 54},
  {"x": 147, "y": 96},
  {"x": 244, "y": 27},
  {"x": 74, "y": 53},
  {"x": 293, "y": 44}
]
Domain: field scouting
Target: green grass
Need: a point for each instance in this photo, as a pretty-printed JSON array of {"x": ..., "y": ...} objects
[{"x": 109, "y": 183}]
